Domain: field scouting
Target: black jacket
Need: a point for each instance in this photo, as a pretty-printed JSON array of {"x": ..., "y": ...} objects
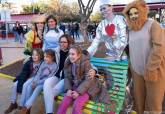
[{"x": 24, "y": 74}]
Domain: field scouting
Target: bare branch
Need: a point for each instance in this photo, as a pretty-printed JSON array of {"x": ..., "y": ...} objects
[
  {"x": 88, "y": 6},
  {"x": 81, "y": 5},
  {"x": 92, "y": 5},
  {"x": 85, "y": 13}
]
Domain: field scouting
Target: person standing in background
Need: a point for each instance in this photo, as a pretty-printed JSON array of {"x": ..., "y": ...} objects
[{"x": 19, "y": 30}]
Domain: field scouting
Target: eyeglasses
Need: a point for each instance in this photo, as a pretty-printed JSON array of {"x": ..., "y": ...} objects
[
  {"x": 40, "y": 23},
  {"x": 63, "y": 42},
  {"x": 51, "y": 21}
]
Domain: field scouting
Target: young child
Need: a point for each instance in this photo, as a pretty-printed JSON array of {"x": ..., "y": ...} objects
[
  {"x": 98, "y": 91},
  {"x": 29, "y": 68},
  {"x": 34, "y": 85},
  {"x": 76, "y": 81}
]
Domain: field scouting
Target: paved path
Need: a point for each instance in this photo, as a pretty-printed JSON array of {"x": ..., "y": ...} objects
[
  {"x": 11, "y": 51},
  {"x": 5, "y": 92},
  {"x": 5, "y": 85}
]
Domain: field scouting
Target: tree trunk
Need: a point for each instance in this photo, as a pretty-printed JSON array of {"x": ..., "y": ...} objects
[
  {"x": 83, "y": 28},
  {"x": 85, "y": 12}
]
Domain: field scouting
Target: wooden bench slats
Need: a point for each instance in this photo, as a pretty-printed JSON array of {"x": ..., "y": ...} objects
[
  {"x": 118, "y": 80},
  {"x": 110, "y": 63},
  {"x": 104, "y": 60},
  {"x": 109, "y": 66},
  {"x": 115, "y": 71},
  {"x": 118, "y": 76}
]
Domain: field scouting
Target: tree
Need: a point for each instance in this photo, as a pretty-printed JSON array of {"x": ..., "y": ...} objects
[
  {"x": 58, "y": 8},
  {"x": 6, "y": 4},
  {"x": 63, "y": 11},
  {"x": 96, "y": 17},
  {"x": 85, "y": 12},
  {"x": 35, "y": 8}
]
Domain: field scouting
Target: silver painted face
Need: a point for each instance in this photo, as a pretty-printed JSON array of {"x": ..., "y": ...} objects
[{"x": 105, "y": 10}]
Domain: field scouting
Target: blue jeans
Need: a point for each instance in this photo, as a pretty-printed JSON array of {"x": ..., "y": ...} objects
[
  {"x": 14, "y": 92},
  {"x": 16, "y": 36},
  {"x": 29, "y": 94},
  {"x": 53, "y": 86},
  {"x": 34, "y": 95},
  {"x": 25, "y": 93}
]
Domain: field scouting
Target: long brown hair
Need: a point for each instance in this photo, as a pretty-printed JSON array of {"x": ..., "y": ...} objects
[
  {"x": 78, "y": 49},
  {"x": 69, "y": 39},
  {"x": 52, "y": 17}
]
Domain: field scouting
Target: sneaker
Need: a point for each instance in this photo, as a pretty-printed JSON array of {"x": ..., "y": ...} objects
[{"x": 12, "y": 107}]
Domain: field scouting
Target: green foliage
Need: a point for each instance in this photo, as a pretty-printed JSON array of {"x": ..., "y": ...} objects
[
  {"x": 96, "y": 17},
  {"x": 64, "y": 12},
  {"x": 35, "y": 8}
]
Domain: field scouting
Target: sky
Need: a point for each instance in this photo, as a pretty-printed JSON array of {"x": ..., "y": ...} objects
[
  {"x": 98, "y": 3},
  {"x": 113, "y": 2}
]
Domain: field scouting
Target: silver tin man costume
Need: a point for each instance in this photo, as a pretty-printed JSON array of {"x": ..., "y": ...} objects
[{"x": 113, "y": 34}]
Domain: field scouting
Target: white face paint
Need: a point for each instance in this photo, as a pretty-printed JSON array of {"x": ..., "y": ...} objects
[{"x": 106, "y": 10}]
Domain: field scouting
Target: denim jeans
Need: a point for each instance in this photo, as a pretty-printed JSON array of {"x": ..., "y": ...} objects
[
  {"x": 29, "y": 94},
  {"x": 34, "y": 94},
  {"x": 53, "y": 86},
  {"x": 25, "y": 93},
  {"x": 14, "y": 94}
]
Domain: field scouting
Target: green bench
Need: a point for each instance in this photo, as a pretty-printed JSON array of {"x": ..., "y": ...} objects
[{"x": 118, "y": 71}]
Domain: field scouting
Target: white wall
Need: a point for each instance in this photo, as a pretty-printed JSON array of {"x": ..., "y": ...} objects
[{"x": 5, "y": 15}]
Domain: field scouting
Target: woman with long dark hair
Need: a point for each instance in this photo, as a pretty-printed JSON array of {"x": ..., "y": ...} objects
[
  {"x": 34, "y": 38},
  {"x": 52, "y": 33}
]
